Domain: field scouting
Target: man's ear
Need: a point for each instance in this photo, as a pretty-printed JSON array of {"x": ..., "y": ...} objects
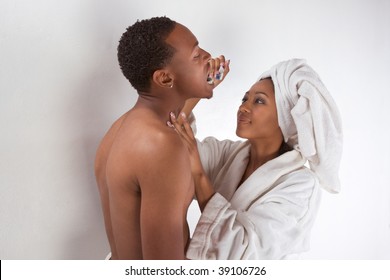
[{"x": 163, "y": 78}]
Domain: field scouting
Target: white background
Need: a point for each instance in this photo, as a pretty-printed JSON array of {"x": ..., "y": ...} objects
[{"x": 61, "y": 88}]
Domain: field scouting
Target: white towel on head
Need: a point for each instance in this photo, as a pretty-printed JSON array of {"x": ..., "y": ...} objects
[{"x": 309, "y": 118}]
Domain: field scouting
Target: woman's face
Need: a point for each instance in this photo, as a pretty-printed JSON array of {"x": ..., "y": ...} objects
[{"x": 257, "y": 116}]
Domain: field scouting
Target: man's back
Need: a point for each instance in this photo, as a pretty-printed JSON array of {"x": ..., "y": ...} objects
[{"x": 144, "y": 179}]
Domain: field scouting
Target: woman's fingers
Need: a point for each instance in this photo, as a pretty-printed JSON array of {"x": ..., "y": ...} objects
[
  {"x": 183, "y": 128},
  {"x": 219, "y": 68},
  {"x": 187, "y": 127},
  {"x": 174, "y": 122}
]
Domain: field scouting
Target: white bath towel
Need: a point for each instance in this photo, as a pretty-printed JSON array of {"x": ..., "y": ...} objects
[{"x": 309, "y": 118}]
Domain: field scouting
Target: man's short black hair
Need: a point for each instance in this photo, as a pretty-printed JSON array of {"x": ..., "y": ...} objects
[{"x": 142, "y": 50}]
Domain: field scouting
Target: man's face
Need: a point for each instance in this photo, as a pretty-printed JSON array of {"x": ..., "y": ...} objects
[{"x": 189, "y": 65}]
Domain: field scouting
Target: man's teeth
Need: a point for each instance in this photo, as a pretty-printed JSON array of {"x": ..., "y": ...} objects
[{"x": 218, "y": 76}]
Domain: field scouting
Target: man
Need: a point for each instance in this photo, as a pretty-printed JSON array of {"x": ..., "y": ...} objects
[{"x": 142, "y": 167}]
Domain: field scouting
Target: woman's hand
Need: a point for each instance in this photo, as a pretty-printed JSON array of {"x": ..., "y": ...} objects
[
  {"x": 203, "y": 188},
  {"x": 219, "y": 68},
  {"x": 186, "y": 134}
]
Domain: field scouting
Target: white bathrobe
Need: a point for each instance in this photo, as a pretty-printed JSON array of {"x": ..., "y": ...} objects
[{"x": 269, "y": 216}]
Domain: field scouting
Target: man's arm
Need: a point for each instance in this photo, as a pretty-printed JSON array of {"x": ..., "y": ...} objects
[{"x": 166, "y": 184}]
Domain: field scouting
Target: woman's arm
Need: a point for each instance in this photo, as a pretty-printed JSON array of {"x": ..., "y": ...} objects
[
  {"x": 203, "y": 188},
  {"x": 275, "y": 226}
]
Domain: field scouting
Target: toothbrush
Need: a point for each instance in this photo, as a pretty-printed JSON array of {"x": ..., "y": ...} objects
[{"x": 218, "y": 75}]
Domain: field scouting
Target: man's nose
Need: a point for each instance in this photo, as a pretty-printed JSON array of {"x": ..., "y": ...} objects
[{"x": 206, "y": 55}]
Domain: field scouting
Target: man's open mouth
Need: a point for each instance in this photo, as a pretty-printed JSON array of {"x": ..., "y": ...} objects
[{"x": 210, "y": 80}]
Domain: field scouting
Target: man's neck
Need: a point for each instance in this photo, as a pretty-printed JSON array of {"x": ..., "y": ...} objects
[{"x": 162, "y": 107}]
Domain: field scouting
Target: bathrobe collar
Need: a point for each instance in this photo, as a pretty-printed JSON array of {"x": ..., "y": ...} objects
[{"x": 260, "y": 181}]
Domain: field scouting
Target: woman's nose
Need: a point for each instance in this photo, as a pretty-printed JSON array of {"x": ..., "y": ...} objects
[{"x": 244, "y": 108}]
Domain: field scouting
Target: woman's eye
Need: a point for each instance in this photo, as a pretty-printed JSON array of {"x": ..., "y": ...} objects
[
  {"x": 259, "y": 101},
  {"x": 243, "y": 100},
  {"x": 197, "y": 56}
]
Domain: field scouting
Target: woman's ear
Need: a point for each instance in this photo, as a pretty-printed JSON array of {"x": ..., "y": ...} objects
[{"x": 163, "y": 78}]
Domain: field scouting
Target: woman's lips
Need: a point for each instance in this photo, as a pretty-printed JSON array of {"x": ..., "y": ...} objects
[{"x": 242, "y": 119}]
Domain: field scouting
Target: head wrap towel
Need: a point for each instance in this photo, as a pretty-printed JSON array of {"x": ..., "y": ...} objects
[{"x": 309, "y": 118}]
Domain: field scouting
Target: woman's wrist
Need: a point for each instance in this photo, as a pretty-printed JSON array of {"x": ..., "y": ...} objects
[{"x": 203, "y": 189}]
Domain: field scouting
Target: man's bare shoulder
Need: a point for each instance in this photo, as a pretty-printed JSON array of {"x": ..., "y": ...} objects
[
  {"x": 144, "y": 140},
  {"x": 148, "y": 149},
  {"x": 145, "y": 134}
]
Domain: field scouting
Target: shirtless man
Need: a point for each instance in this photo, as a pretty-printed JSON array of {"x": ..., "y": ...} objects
[{"x": 142, "y": 167}]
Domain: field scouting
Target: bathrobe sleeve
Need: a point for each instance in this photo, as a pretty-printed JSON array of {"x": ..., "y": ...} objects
[
  {"x": 275, "y": 226},
  {"x": 214, "y": 154}
]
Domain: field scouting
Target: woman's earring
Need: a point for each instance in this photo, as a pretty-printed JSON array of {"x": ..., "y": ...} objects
[{"x": 171, "y": 86}]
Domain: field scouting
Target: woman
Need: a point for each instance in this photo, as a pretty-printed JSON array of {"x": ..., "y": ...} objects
[{"x": 258, "y": 199}]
